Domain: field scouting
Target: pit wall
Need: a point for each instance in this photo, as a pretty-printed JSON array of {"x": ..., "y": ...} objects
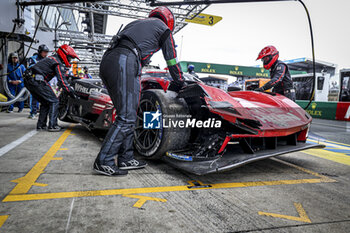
[{"x": 327, "y": 110}]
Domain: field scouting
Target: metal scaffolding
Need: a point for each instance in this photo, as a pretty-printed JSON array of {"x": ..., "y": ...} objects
[{"x": 90, "y": 46}]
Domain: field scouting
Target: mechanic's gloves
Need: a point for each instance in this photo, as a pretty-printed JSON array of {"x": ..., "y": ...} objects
[
  {"x": 73, "y": 95},
  {"x": 260, "y": 89},
  {"x": 179, "y": 86}
]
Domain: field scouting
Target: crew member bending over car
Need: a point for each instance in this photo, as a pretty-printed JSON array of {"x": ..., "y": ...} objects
[
  {"x": 37, "y": 82},
  {"x": 120, "y": 71},
  {"x": 281, "y": 81}
]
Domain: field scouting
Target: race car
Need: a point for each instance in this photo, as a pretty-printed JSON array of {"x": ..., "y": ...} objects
[{"x": 199, "y": 128}]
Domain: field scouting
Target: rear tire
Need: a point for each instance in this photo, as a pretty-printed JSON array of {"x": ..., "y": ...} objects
[
  {"x": 154, "y": 143},
  {"x": 63, "y": 108}
]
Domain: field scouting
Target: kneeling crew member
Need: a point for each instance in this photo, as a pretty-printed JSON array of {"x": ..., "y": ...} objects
[
  {"x": 37, "y": 83},
  {"x": 120, "y": 71},
  {"x": 281, "y": 81}
]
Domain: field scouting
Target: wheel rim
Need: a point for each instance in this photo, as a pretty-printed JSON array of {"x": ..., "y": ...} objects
[
  {"x": 63, "y": 107},
  {"x": 145, "y": 138}
]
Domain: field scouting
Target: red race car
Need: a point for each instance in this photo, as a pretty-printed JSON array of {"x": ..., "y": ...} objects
[{"x": 200, "y": 129}]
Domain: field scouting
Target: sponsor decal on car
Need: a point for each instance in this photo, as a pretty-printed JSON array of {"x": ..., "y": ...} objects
[
  {"x": 179, "y": 156},
  {"x": 85, "y": 90}
]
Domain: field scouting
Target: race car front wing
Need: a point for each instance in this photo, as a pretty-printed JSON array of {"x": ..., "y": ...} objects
[{"x": 233, "y": 158}]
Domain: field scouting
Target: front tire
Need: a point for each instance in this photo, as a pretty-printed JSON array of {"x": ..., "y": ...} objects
[
  {"x": 154, "y": 143},
  {"x": 63, "y": 108}
]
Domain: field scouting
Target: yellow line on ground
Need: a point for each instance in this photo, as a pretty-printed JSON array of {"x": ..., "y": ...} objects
[
  {"x": 339, "y": 143},
  {"x": 19, "y": 193},
  {"x": 43, "y": 196},
  {"x": 332, "y": 144},
  {"x": 3, "y": 219},
  {"x": 323, "y": 178},
  {"x": 302, "y": 214},
  {"x": 26, "y": 182},
  {"x": 330, "y": 155},
  {"x": 142, "y": 199}
]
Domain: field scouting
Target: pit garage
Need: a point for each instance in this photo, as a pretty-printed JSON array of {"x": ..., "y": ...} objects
[{"x": 48, "y": 183}]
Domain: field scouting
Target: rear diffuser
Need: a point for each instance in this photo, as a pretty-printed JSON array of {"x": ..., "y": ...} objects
[{"x": 234, "y": 158}]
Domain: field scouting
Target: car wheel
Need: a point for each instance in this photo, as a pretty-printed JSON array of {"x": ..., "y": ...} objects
[
  {"x": 63, "y": 109},
  {"x": 154, "y": 143}
]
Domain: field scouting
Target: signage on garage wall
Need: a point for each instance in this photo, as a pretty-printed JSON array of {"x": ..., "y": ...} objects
[
  {"x": 327, "y": 110},
  {"x": 323, "y": 110},
  {"x": 233, "y": 70}
]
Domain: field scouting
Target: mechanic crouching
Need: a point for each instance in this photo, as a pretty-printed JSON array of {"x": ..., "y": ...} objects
[
  {"x": 37, "y": 82},
  {"x": 120, "y": 71},
  {"x": 281, "y": 81}
]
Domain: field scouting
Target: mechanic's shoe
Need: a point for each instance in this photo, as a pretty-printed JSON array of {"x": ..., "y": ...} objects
[
  {"x": 55, "y": 128},
  {"x": 39, "y": 128},
  {"x": 132, "y": 164},
  {"x": 9, "y": 111},
  {"x": 108, "y": 170}
]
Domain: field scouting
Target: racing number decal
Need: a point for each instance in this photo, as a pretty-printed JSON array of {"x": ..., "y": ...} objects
[{"x": 211, "y": 20}]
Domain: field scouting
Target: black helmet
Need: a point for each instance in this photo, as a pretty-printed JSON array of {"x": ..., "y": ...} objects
[{"x": 42, "y": 48}]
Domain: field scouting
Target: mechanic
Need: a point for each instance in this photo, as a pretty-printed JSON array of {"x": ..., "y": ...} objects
[
  {"x": 37, "y": 82},
  {"x": 190, "y": 69},
  {"x": 281, "y": 81},
  {"x": 86, "y": 73},
  {"x": 15, "y": 79},
  {"x": 43, "y": 51},
  {"x": 120, "y": 70}
]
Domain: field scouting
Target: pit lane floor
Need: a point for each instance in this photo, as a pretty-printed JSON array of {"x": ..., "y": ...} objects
[{"x": 47, "y": 185}]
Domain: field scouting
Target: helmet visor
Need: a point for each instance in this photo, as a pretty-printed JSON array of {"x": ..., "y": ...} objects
[{"x": 267, "y": 59}]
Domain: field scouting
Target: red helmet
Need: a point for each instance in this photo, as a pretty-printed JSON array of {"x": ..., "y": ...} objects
[
  {"x": 269, "y": 56},
  {"x": 165, "y": 14},
  {"x": 67, "y": 53}
]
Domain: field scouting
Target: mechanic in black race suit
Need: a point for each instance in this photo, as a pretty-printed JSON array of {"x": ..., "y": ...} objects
[
  {"x": 120, "y": 70},
  {"x": 37, "y": 82},
  {"x": 281, "y": 81},
  {"x": 43, "y": 51}
]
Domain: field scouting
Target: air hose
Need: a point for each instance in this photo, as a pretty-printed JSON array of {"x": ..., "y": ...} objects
[{"x": 313, "y": 54}]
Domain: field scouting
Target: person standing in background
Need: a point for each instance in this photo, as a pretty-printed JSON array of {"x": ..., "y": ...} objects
[
  {"x": 15, "y": 79},
  {"x": 86, "y": 73},
  {"x": 43, "y": 51},
  {"x": 190, "y": 69}
]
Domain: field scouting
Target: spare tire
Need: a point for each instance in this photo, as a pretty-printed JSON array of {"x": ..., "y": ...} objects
[{"x": 154, "y": 143}]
